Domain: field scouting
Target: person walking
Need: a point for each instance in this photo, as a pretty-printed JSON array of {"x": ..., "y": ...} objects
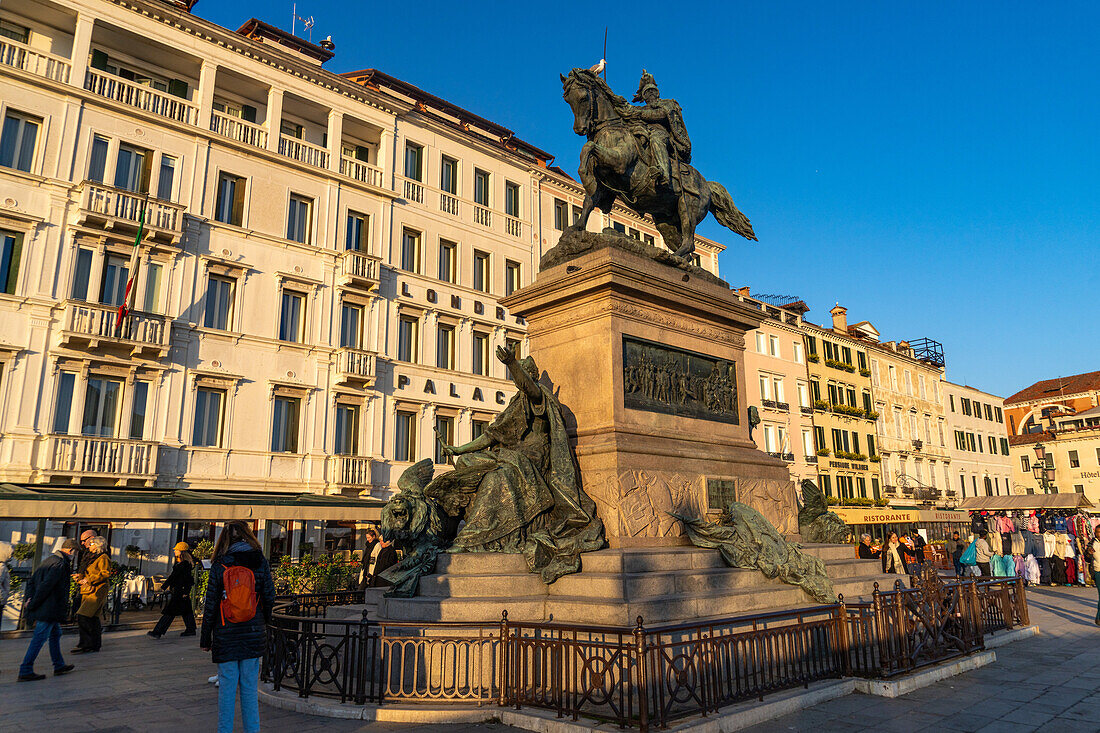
[
  {"x": 240, "y": 596},
  {"x": 179, "y": 584},
  {"x": 1093, "y": 552},
  {"x": 93, "y": 580},
  {"x": 984, "y": 551},
  {"x": 954, "y": 548},
  {"x": 892, "y": 555},
  {"x": 46, "y": 601}
]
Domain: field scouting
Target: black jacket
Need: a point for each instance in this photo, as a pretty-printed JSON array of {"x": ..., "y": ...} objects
[
  {"x": 179, "y": 585},
  {"x": 233, "y": 642},
  {"x": 47, "y": 591},
  {"x": 387, "y": 557},
  {"x": 867, "y": 553}
]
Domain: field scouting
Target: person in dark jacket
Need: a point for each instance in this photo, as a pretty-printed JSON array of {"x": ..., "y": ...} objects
[
  {"x": 866, "y": 552},
  {"x": 237, "y": 647},
  {"x": 47, "y": 605},
  {"x": 383, "y": 556},
  {"x": 179, "y": 589},
  {"x": 364, "y": 574}
]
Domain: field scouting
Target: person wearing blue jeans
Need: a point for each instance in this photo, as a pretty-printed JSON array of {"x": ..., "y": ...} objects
[
  {"x": 234, "y": 624},
  {"x": 43, "y": 631},
  {"x": 47, "y": 604},
  {"x": 243, "y": 675}
]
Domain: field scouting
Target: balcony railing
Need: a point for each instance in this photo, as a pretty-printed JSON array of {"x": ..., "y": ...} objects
[
  {"x": 141, "y": 97},
  {"x": 109, "y": 457},
  {"x": 360, "y": 171},
  {"x": 783, "y": 456},
  {"x": 513, "y": 226},
  {"x": 303, "y": 152},
  {"x": 414, "y": 191},
  {"x": 483, "y": 215},
  {"x": 448, "y": 204},
  {"x": 94, "y": 325},
  {"x": 811, "y": 459},
  {"x": 21, "y": 56},
  {"x": 355, "y": 365},
  {"x": 806, "y": 410},
  {"x": 115, "y": 208},
  {"x": 350, "y": 471},
  {"x": 359, "y": 268},
  {"x": 237, "y": 129}
]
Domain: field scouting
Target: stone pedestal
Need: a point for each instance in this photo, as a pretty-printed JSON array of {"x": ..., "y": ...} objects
[{"x": 648, "y": 363}]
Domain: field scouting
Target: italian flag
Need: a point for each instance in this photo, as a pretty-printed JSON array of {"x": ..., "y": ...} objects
[{"x": 128, "y": 299}]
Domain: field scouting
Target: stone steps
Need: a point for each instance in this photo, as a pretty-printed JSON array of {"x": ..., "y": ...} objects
[{"x": 614, "y": 587}]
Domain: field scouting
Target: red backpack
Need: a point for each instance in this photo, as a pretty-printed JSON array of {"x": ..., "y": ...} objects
[{"x": 239, "y": 595}]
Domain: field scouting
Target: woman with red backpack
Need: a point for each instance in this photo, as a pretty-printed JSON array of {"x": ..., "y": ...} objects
[{"x": 239, "y": 598}]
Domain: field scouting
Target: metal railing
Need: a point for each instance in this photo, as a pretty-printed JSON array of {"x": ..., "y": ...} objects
[
  {"x": 303, "y": 152},
  {"x": 141, "y": 97},
  {"x": 23, "y": 57},
  {"x": 82, "y": 455},
  {"x": 637, "y": 677},
  {"x": 361, "y": 171},
  {"x": 237, "y": 129}
]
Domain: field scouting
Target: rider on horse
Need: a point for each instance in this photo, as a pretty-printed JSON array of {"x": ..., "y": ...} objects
[{"x": 667, "y": 131}]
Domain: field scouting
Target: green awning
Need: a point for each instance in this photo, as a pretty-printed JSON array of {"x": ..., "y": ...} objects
[{"x": 68, "y": 503}]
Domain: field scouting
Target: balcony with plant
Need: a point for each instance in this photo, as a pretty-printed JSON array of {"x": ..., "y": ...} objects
[
  {"x": 813, "y": 358},
  {"x": 851, "y": 456},
  {"x": 864, "y": 372},
  {"x": 875, "y": 459},
  {"x": 837, "y": 364},
  {"x": 821, "y": 405},
  {"x": 823, "y": 451}
]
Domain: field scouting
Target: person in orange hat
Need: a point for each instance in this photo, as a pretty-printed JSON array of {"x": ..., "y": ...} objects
[{"x": 179, "y": 586}]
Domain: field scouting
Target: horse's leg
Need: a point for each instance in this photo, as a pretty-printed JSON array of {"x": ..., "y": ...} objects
[{"x": 688, "y": 222}]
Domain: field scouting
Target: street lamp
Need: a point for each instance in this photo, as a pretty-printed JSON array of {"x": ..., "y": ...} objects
[{"x": 1043, "y": 469}]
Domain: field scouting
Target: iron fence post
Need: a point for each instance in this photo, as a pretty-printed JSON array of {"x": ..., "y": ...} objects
[
  {"x": 902, "y": 624},
  {"x": 1006, "y": 607},
  {"x": 842, "y": 636},
  {"x": 879, "y": 626},
  {"x": 979, "y": 614},
  {"x": 1021, "y": 602},
  {"x": 503, "y": 659},
  {"x": 643, "y": 677}
]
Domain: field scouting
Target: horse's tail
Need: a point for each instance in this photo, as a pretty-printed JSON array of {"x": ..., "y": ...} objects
[{"x": 727, "y": 213}]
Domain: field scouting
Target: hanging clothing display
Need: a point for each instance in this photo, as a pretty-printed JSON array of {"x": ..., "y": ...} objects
[{"x": 1031, "y": 570}]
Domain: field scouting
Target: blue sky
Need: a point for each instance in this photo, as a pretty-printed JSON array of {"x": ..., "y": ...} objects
[{"x": 932, "y": 166}]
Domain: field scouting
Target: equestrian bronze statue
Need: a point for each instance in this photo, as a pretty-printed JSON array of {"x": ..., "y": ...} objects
[{"x": 641, "y": 156}]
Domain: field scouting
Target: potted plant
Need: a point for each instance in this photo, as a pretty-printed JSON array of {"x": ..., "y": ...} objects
[
  {"x": 813, "y": 358},
  {"x": 823, "y": 451}
]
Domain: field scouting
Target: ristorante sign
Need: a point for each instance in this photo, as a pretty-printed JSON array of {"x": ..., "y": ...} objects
[{"x": 857, "y": 515}]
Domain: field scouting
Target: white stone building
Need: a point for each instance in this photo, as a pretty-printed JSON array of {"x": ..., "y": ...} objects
[
  {"x": 977, "y": 440},
  {"x": 317, "y": 280}
]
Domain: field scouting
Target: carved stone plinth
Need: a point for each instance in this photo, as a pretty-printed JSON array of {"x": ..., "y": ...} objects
[{"x": 649, "y": 363}]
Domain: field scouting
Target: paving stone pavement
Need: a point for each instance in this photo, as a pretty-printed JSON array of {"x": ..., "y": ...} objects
[
  {"x": 1048, "y": 682},
  {"x": 139, "y": 684}
]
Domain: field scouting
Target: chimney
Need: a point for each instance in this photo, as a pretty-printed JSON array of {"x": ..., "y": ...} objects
[
  {"x": 744, "y": 291},
  {"x": 840, "y": 318}
]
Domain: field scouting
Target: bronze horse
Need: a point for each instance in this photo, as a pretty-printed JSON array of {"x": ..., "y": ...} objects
[{"x": 613, "y": 165}]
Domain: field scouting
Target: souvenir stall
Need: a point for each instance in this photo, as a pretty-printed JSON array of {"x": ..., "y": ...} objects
[{"x": 1039, "y": 537}]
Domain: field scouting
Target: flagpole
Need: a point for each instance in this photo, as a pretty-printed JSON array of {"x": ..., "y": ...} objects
[{"x": 126, "y": 305}]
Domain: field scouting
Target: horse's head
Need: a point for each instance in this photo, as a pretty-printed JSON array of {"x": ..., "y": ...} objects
[{"x": 581, "y": 99}]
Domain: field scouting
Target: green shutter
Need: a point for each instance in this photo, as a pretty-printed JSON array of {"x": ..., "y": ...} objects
[
  {"x": 13, "y": 266},
  {"x": 177, "y": 88},
  {"x": 99, "y": 60},
  {"x": 248, "y": 113}
]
